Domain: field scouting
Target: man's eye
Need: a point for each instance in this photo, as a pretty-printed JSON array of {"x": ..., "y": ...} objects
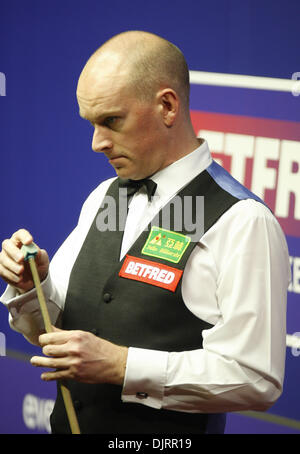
[{"x": 110, "y": 121}]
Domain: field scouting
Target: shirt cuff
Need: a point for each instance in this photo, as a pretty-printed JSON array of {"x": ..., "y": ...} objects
[
  {"x": 12, "y": 298},
  {"x": 24, "y": 310},
  {"x": 145, "y": 377}
]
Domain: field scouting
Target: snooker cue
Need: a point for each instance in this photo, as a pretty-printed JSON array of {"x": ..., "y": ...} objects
[{"x": 30, "y": 252}]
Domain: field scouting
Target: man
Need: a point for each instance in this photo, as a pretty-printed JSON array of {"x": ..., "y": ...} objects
[{"x": 157, "y": 330}]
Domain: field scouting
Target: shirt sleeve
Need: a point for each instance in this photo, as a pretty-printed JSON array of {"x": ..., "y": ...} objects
[
  {"x": 237, "y": 280},
  {"x": 24, "y": 310}
]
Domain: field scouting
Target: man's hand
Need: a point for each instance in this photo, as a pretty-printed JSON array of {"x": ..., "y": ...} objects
[
  {"x": 81, "y": 356},
  {"x": 13, "y": 269}
]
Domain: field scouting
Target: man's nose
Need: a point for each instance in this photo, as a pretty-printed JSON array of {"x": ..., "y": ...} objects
[{"x": 101, "y": 140}]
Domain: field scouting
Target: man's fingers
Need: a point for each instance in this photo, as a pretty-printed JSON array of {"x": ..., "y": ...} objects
[
  {"x": 9, "y": 276},
  {"x": 42, "y": 258},
  {"x": 57, "y": 350},
  {"x": 11, "y": 265},
  {"x": 64, "y": 367},
  {"x": 22, "y": 236},
  {"x": 11, "y": 249},
  {"x": 56, "y": 337},
  {"x": 12, "y": 246},
  {"x": 53, "y": 363},
  {"x": 57, "y": 375}
]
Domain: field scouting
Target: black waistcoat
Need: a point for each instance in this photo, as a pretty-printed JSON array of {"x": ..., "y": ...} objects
[{"x": 132, "y": 313}]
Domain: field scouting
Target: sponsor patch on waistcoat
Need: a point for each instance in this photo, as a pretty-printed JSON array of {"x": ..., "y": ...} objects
[
  {"x": 165, "y": 244},
  {"x": 152, "y": 273}
]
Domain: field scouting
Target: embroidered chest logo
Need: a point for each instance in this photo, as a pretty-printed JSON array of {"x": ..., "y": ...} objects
[
  {"x": 152, "y": 273},
  {"x": 166, "y": 244}
]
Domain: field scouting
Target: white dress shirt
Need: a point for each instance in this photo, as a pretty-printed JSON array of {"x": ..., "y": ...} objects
[{"x": 236, "y": 279}]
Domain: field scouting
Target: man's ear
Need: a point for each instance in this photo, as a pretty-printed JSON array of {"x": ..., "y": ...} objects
[{"x": 169, "y": 105}]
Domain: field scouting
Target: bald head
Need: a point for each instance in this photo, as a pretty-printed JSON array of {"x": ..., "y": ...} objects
[
  {"x": 134, "y": 90},
  {"x": 146, "y": 63}
]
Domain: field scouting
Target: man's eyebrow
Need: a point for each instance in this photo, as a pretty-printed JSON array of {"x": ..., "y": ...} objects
[{"x": 102, "y": 116}]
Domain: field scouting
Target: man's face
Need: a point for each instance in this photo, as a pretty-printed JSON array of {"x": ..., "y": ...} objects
[{"x": 128, "y": 131}]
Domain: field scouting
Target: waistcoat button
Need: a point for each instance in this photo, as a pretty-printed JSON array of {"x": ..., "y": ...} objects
[{"x": 107, "y": 297}]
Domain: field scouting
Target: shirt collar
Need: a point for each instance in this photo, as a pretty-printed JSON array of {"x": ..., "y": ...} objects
[{"x": 178, "y": 174}]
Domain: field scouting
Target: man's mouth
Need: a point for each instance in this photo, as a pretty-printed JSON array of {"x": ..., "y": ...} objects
[{"x": 115, "y": 159}]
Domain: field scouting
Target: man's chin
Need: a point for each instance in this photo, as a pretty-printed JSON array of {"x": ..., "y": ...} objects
[{"x": 124, "y": 173}]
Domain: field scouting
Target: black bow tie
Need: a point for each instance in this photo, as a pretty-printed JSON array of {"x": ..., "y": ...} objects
[{"x": 133, "y": 186}]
